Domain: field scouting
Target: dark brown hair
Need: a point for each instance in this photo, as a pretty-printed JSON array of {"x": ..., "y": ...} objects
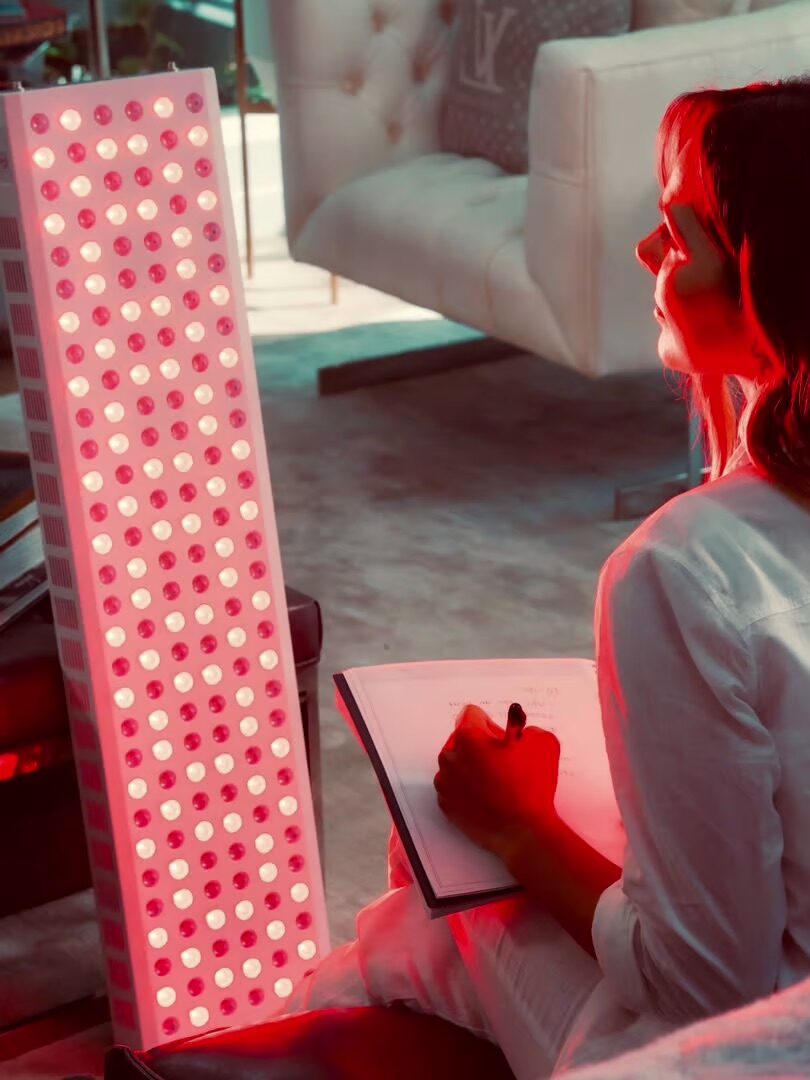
[{"x": 748, "y": 176}]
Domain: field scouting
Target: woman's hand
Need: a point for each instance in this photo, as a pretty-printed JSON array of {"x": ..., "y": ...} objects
[{"x": 493, "y": 787}]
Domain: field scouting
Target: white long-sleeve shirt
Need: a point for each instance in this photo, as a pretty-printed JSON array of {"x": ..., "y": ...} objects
[{"x": 702, "y": 630}]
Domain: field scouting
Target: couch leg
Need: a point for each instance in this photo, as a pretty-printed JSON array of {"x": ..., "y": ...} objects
[
  {"x": 639, "y": 500},
  {"x": 334, "y": 282}
]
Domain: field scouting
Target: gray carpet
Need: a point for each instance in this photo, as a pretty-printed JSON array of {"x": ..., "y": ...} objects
[{"x": 466, "y": 514}]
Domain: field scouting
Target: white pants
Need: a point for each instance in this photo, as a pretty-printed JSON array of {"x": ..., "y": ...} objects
[{"x": 506, "y": 971}]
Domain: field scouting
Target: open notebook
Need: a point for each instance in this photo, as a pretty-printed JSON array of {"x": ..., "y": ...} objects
[{"x": 403, "y": 714}]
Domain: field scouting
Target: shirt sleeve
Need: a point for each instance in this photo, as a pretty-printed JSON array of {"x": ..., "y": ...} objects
[{"x": 695, "y": 924}]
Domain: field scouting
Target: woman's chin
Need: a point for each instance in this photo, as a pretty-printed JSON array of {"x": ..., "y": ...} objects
[{"x": 670, "y": 356}]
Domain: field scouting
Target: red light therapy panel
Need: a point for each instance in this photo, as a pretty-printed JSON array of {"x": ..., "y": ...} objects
[{"x": 124, "y": 299}]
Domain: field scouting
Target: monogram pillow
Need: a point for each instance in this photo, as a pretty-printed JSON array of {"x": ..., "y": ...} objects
[{"x": 486, "y": 110}]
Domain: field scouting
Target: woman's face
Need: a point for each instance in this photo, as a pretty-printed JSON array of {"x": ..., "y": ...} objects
[{"x": 703, "y": 329}]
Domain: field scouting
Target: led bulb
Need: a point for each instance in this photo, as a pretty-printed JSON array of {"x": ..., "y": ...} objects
[
  {"x": 44, "y": 157},
  {"x": 147, "y": 209},
  {"x": 69, "y": 322},
  {"x": 195, "y": 331},
  {"x": 95, "y": 284},
  {"x": 166, "y": 996},
  {"x": 186, "y": 268},
  {"x": 219, "y": 295},
  {"x": 128, "y": 506},
  {"x": 182, "y": 236},
  {"x": 198, "y": 136},
  {"x": 70, "y": 120},
  {"x": 138, "y": 144},
  {"x": 172, "y": 173},
  {"x": 161, "y": 305},
  {"x": 107, "y": 149},
  {"x": 119, "y": 444},
  {"x": 158, "y": 719},
  {"x": 139, "y": 374},
  {"x": 131, "y": 310},
  {"x": 90, "y": 252},
  {"x": 153, "y": 468},
  {"x": 199, "y": 1015},
  {"x": 104, "y": 348},
  {"x": 92, "y": 481},
  {"x": 116, "y": 214},
  {"x": 137, "y": 789},
  {"x": 228, "y": 357},
  {"x": 206, "y": 200},
  {"x": 81, "y": 186},
  {"x": 207, "y": 425},
  {"x": 170, "y": 369},
  {"x": 79, "y": 386},
  {"x": 102, "y": 544},
  {"x": 114, "y": 412},
  {"x": 163, "y": 108},
  {"x": 54, "y": 224}
]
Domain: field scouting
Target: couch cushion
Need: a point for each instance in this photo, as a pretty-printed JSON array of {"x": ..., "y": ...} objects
[
  {"x": 445, "y": 233},
  {"x": 649, "y": 13},
  {"x": 486, "y": 109}
]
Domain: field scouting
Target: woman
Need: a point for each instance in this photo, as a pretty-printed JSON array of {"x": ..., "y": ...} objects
[{"x": 703, "y": 653}]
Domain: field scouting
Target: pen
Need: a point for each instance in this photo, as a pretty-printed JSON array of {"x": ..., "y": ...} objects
[{"x": 515, "y": 721}]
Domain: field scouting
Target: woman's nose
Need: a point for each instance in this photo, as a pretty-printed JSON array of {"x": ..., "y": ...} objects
[{"x": 648, "y": 253}]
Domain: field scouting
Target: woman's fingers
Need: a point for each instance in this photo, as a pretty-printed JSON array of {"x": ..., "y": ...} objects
[{"x": 474, "y": 718}]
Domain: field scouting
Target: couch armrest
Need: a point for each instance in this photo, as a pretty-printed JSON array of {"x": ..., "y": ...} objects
[
  {"x": 595, "y": 109},
  {"x": 357, "y": 91}
]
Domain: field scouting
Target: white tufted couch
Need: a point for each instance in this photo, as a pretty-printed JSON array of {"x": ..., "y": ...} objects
[{"x": 545, "y": 261}]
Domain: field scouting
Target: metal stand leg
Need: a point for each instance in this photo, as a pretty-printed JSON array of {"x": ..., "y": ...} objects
[
  {"x": 642, "y": 499},
  {"x": 241, "y": 96}
]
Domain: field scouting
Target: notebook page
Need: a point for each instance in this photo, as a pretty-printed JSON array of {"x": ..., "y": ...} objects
[{"x": 410, "y": 710}]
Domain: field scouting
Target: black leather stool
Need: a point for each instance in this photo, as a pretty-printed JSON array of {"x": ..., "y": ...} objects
[{"x": 331, "y": 1044}]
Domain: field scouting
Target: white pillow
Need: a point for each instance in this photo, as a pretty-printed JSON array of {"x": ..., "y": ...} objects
[{"x": 647, "y": 13}]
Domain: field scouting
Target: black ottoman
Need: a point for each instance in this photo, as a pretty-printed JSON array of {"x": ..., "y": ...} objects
[{"x": 331, "y": 1044}]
